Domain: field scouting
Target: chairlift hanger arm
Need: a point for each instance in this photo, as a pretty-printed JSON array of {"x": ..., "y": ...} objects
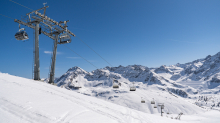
[
  {"x": 48, "y": 34},
  {"x": 23, "y": 23},
  {"x": 33, "y": 27},
  {"x": 61, "y": 26},
  {"x": 37, "y": 10},
  {"x": 36, "y": 19},
  {"x": 68, "y": 32}
]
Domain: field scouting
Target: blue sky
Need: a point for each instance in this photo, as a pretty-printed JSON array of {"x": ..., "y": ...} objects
[{"x": 124, "y": 32}]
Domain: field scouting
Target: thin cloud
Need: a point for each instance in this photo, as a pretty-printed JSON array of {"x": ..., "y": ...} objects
[
  {"x": 50, "y": 52},
  {"x": 185, "y": 41},
  {"x": 73, "y": 57}
]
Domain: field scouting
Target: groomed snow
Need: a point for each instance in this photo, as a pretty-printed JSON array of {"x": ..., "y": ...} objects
[{"x": 24, "y": 101}]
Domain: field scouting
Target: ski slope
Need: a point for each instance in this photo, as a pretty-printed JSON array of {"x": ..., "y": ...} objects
[
  {"x": 24, "y": 101},
  {"x": 194, "y": 84}
]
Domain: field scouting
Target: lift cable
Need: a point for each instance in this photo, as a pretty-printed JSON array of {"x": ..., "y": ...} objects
[
  {"x": 76, "y": 36},
  {"x": 94, "y": 51},
  {"x": 80, "y": 56},
  {"x": 20, "y": 4},
  {"x": 66, "y": 47},
  {"x": 6, "y": 16}
]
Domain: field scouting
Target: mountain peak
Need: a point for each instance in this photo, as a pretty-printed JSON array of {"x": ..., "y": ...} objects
[{"x": 76, "y": 69}]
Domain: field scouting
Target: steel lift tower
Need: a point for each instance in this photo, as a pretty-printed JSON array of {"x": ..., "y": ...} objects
[
  {"x": 161, "y": 108},
  {"x": 55, "y": 30},
  {"x": 36, "y": 52}
]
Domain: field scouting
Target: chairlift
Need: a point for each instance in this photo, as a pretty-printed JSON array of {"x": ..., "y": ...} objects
[
  {"x": 65, "y": 38},
  {"x": 153, "y": 102},
  {"x": 21, "y": 34},
  {"x": 115, "y": 85},
  {"x": 155, "y": 106},
  {"x": 133, "y": 88},
  {"x": 75, "y": 85},
  {"x": 142, "y": 100}
]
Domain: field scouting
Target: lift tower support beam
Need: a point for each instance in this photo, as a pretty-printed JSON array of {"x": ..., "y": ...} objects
[
  {"x": 52, "y": 70},
  {"x": 36, "y": 52},
  {"x": 36, "y": 59}
]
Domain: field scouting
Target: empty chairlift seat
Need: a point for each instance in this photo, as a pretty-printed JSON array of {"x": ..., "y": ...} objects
[
  {"x": 74, "y": 85},
  {"x": 21, "y": 35},
  {"x": 115, "y": 85},
  {"x": 153, "y": 102},
  {"x": 65, "y": 38},
  {"x": 142, "y": 100},
  {"x": 133, "y": 88}
]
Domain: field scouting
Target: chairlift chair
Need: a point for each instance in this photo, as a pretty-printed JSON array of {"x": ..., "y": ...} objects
[
  {"x": 65, "y": 38},
  {"x": 115, "y": 85},
  {"x": 142, "y": 100},
  {"x": 21, "y": 35},
  {"x": 133, "y": 88},
  {"x": 76, "y": 85},
  {"x": 155, "y": 106},
  {"x": 153, "y": 102}
]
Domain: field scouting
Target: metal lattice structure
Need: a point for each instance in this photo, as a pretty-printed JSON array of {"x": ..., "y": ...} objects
[{"x": 55, "y": 30}]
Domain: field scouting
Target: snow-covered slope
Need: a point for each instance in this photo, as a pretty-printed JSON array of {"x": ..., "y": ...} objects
[
  {"x": 28, "y": 101},
  {"x": 24, "y": 101}
]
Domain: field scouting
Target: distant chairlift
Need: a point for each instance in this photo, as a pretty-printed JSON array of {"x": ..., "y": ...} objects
[
  {"x": 21, "y": 34},
  {"x": 133, "y": 88},
  {"x": 75, "y": 85},
  {"x": 153, "y": 102},
  {"x": 155, "y": 106},
  {"x": 115, "y": 85},
  {"x": 142, "y": 100},
  {"x": 65, "y": 38}
]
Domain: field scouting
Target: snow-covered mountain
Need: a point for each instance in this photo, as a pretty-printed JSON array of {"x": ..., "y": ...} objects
[
  {"x": 24, "y": 101},
  {"x": 157, "y": 83}
]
